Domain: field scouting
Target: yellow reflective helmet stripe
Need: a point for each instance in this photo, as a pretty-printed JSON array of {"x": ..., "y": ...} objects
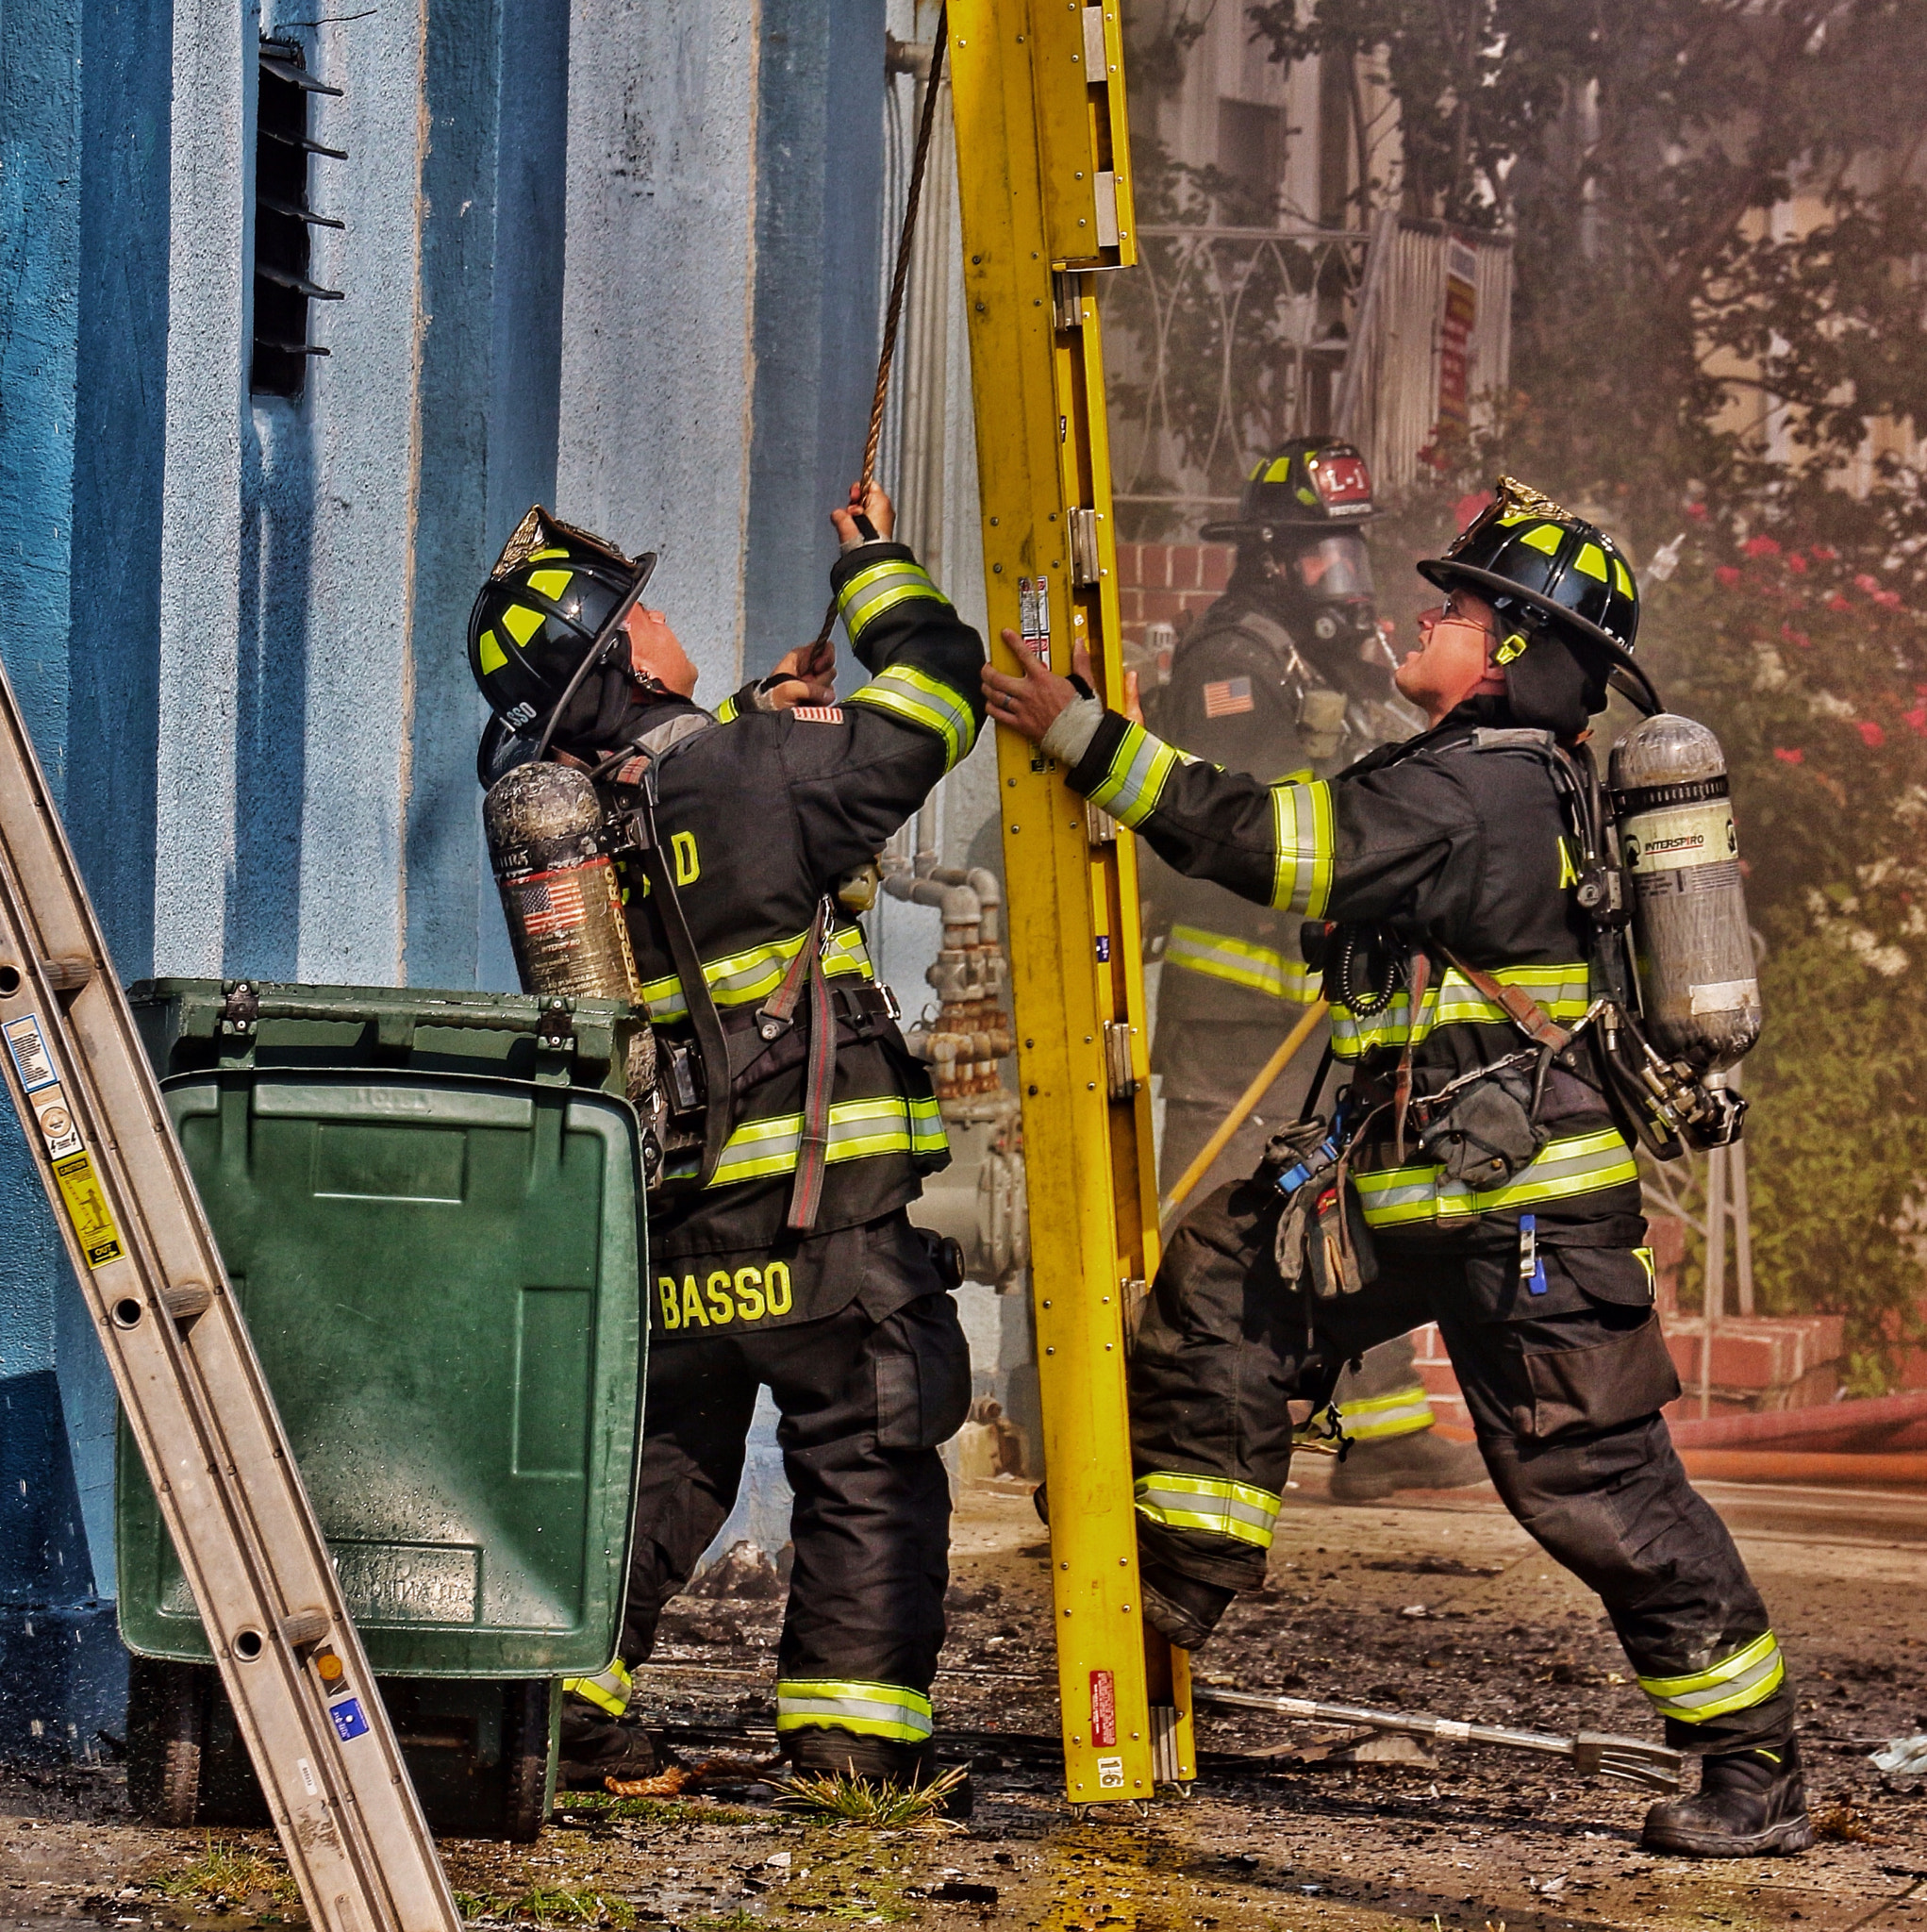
[
  {"x": 551, "y": 583},
  {"x": 1302, "y": 829},
  {"x": 1577, "y": 1164},
  {"x": 490, "y": 653},
  {"x": 1623, "y": 578},
  {"x": 1139, "y": 770},
  {"x": 1377, "y": 1418},
  {"x": 870, "y": 1710},
  {"x": 521, "y": 623},
  {"x": 867, "y": 594},
  {"x": 609, "y": 1689},
  {"x": 1453, "y": 1000},
  {"x": 1546, "y": 536},
  {"x": 1259, "y": 968},
  {"x": 1242, "y": 1511},
  {"x": 920, "y": 699},
  {"x": 1591, "y": 562},
  {"x": 1749, "y": 1676},
  {"x": 739, "y": 978}
]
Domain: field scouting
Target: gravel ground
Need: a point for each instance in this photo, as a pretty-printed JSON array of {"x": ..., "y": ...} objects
[{"x": 1439, "y": 1605}]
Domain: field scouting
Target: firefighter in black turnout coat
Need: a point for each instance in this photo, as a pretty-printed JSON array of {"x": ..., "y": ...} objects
[
  {"x": 794, "y": 1267},
  {"x": 1445, "y": 870},
  {"x": 1286, "y": 675}
]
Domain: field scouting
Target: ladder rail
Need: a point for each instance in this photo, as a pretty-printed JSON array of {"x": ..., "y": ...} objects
[
  {"x": 197, "y": 1403},
  {"x": 1044, "y": 197}
]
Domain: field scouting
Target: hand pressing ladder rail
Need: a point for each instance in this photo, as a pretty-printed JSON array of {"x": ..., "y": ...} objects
[{"x": 193, "y": 1392}]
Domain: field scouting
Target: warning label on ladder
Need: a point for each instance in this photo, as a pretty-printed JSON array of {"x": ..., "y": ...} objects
[
  {"x": 29, "y": 1051},
  {"x": 87, "y": 1208}
]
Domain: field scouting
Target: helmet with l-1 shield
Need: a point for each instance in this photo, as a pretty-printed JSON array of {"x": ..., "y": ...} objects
[{"x": 551, "y": 612}]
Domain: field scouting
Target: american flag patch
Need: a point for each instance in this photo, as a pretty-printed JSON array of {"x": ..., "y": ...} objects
[
  {"x": 1228, "y": 697},
  {"x": 552, "y": 902},
  {"x": 819, "y": 714}
]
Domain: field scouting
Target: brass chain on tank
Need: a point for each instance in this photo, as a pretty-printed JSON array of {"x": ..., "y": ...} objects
[{"x": 900, "y": 278}]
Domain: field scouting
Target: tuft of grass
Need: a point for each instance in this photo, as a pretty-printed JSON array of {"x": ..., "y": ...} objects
[
  {"x": 229, "y": 1872},
  {"x": 656, "y": 1810},
  {"x": 834, "y": 1799},
  {"x": 476, "y": 1904},
  {"x": 557, "y": 1906},
  {"x": 741, "y": 1920}
]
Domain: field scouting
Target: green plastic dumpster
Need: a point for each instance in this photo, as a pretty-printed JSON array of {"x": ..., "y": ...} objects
[{"x": 430, "y": 1208}]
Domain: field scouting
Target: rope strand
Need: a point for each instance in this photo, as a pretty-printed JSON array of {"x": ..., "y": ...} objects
[{"x": 893, "y": 315}]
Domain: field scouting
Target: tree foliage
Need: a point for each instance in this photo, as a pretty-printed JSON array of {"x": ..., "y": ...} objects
[
  {"x": 1718, "y": 235},
  {"x": 1669, "y": 325}
]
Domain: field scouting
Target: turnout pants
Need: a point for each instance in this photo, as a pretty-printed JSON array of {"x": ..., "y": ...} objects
[
  {"x": 1207, "y": 1066},
  {"x": 1564, "y": 1386},
  {"x": 864, "y": 1403}
]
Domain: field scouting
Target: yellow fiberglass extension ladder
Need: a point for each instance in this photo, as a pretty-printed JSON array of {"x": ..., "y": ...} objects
[
  {"x": 193, "y": 1392},
  {"x": 1044, "y": 180}
]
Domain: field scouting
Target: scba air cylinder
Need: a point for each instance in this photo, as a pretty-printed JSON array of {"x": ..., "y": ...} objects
[
  {"x": 560, "y": 891},
  {"x": 1699, "y": 989}
]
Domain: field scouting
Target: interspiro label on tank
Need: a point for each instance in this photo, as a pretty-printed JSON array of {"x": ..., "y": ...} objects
[{"x": 1688, "y": 835}]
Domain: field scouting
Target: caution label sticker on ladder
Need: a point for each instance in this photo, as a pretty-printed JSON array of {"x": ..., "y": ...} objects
[
  {"x": 87, "y": 1208},
  {"x": 74, "y": 1174}
]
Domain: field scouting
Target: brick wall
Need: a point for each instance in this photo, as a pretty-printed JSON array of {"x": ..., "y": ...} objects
[{"x": 1171, "y": 583}]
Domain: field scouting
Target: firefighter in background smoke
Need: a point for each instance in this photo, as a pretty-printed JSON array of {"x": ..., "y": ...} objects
[
  {"x": 1483, "y": 1179},
  {"x": 1285, "y": 674},
  {"x": 780, "y": 1253}
]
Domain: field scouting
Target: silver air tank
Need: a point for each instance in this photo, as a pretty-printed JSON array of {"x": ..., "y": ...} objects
[
  {"x": 560, "y": 891},
  {"x": 1699, "y": 993}
]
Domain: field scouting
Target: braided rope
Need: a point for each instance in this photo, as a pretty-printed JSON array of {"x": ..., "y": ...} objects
[{"x": 893, "y": 315}]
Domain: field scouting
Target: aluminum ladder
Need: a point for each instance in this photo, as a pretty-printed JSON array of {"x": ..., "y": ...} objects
[{"x": 193, "y": 1392}]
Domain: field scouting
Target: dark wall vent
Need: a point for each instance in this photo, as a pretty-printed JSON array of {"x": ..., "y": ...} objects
[{"x": 283, "y": 288}]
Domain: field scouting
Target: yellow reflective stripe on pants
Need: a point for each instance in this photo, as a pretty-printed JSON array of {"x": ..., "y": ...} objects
[
  {"x": 872, "y": 1710},
  {"x": 1376, "y": 1417},
  {"x": 1239, "y": 1510},
  {"x": 1305, "y": 845},
  {"x": 1748, "y": 1678},
  {"x": 1454, "y": 1001},
  {"x": 889, "y": 1123},
  {"x": 1259, "y": 968},
  {"x": 867, "y": 594},
  {"x": 757, "y": 973},
  {"x": 1579, "y": 1164},
  {"x": 1139, "y": 768},
  {"x": 609, "y": 1689},
  {"x": 906, "y": 693}
]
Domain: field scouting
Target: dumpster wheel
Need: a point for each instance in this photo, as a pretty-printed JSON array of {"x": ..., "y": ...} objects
[
  {"x": 167, "y": 1728},
  {"x": 529, "y": 1711}
]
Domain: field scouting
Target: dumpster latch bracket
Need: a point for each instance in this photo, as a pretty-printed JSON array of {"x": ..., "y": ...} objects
[
  {"x": 241, "y": 1013},
  {"x": 556, "y": 1026}
]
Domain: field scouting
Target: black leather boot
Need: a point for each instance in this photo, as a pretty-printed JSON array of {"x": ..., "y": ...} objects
[
  {"x": 1421, "y": 1460},
  {"x": 1751, "y": 1803},
  {"x": 1183, "y": 1610},
  {"x": 596, "y": 1746}
]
